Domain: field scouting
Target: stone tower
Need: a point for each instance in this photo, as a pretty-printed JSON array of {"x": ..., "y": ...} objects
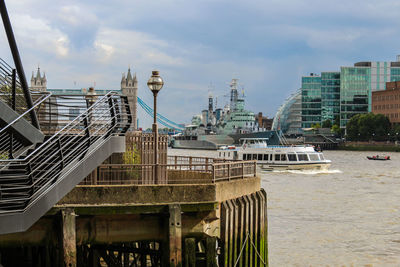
[
  {"x": 129, "y": 88},
  {"x": 38, "y": 83}
]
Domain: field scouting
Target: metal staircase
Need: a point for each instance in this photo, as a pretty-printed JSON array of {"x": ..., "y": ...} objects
[
  {"x": 39, "y": 176},
  {"x": 48, "y": 144}
]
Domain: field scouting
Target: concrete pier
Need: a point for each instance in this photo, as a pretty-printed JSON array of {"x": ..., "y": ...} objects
[
  {"x": 204, "y": 213},
  {"x": 111, "y": 226}
]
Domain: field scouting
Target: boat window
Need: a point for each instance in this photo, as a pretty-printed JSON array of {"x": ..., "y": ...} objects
[
  {"x": 244, "y": 156},
  {"x": 302, "y": 157},
  {"x": 321, "y": 156},
  {"x": 219, "y": 154},
  {"x": 283, "y": 157},
  {"x": 313, "y": 157},
  {"x": 224, "y": 154},
  {"x": 229, "y": 154},
  {"x": 292, "y": 157},
  {"x": 260, "y": 157},
  {"x": 254, "y": 156},
  {"x": 265, "y": 157},
  {"x": 277, "y": 157}
]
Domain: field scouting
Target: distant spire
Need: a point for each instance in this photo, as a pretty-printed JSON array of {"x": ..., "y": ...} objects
[
  {"x": 33, "y": 78},
  {"x": 44, "y": 76},
  {"x": 134, "y": 78},
  {"x": 123, "y": 80},
  {"x": 129, "y": 76},
  {"x": 38, "y": 73}
]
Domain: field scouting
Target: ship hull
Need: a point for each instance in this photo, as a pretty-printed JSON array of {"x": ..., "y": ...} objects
[{"x": 213, "y": 142}]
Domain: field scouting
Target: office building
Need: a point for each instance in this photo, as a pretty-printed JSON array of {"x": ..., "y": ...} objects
[{"x": 387, "y": 102}]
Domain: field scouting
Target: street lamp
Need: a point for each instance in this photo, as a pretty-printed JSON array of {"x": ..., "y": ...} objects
[{"x": 155, "y": 84}]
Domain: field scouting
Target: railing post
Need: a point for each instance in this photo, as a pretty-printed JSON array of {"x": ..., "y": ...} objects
[
  {"x": 229, "y": 171},
  {"x": 213, "y": 171},
  {"x": 176, "y": 162},
  {"x": 13, "y": 106},
  {"x": 255, "y": 168},
  {"x": 242, "y": 170},
  {"x": 128, "y": 113},
  {"x": 190, "y": 163},
  {"x": 86, "y": 125},
  {"x": 112, "y": 113}
]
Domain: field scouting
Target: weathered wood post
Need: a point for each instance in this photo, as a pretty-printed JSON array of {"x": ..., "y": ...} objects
[
  {"x": 175, "y": 235},
  {"x": 190, "y": 252},
  {"x": 68, "y": 237}
]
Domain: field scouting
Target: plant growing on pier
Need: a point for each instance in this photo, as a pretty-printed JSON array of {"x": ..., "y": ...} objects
[{"x": 132, "y": 157}]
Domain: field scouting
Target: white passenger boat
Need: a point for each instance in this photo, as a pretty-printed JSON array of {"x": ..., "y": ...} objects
[{"x": 282, "y": 157}]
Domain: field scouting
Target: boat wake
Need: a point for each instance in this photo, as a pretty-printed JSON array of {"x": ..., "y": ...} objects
[{"x": 307, "y": 172}]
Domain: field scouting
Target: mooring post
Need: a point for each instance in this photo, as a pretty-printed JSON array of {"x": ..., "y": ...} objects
[
  {"x": 211, "y": 252},
  {"x": 175, "y": 235},
  {"x": 190, "y": 252},
  {"x": 68, "y": 237}
]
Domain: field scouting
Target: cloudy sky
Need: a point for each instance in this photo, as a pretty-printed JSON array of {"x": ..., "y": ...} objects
[{"x": 198, "y": 45}]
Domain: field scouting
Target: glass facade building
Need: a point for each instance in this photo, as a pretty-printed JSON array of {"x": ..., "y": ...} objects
[
  {"x": 330, "y": 96},
  {"x": 310, "y": 100},
  {"x": 343, "y": 94},
  {"x": 288, "y": 117},
  {"x": 355, "y": 89}
]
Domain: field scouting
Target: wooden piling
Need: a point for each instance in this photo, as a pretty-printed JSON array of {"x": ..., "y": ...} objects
[
  {"x": 175, "y": 235},
  {"x": 68, "y": 237}
]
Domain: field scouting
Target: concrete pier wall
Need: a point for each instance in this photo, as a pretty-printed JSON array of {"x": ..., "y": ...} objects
[{"x": 123, "y": 225}]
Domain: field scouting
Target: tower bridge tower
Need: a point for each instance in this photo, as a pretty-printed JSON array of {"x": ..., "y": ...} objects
[
  {"x": 38, "y": 83},
  {"x": 129, "y": 87}
]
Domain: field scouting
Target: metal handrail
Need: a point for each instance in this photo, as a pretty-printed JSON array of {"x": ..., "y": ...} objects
[
  {"x": 39, "y": 102},
  {"x": 108, "y": 116}
]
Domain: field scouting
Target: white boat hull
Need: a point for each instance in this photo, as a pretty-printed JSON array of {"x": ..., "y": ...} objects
[{"x": 300, "y": 166}]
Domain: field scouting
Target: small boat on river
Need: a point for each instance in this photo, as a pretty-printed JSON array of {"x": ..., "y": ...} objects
[
  {"x": 276, "y": 157},
  {"x": 377, "y": 157}
]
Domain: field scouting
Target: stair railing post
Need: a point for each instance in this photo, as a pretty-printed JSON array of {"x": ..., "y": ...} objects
[
  {"x": 13, "y": 106},
  {"x": 86, "y": 125},
  {"x": 112, "y": 114}
]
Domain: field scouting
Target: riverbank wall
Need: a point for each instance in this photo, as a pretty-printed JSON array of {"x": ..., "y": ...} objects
[{"x": 370, "y": 146}]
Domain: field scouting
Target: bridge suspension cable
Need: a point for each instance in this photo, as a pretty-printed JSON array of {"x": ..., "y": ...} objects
[{"x": 160, "y": 118}]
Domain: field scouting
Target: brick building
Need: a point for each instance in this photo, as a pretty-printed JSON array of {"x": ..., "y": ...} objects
[{"x": 387, "y": 102}]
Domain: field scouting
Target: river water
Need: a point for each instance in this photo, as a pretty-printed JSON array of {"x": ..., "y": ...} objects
[{"x": 347, "y": 216}]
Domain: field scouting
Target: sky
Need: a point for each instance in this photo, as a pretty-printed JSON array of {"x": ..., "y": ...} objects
[{"x": 199, "y": 46}]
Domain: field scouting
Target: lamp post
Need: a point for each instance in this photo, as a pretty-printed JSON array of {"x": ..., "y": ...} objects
[{"x": 155, "y": 83}]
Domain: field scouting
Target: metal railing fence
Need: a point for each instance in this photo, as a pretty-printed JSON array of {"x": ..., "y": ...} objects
[{"x": 194, "y": 173}]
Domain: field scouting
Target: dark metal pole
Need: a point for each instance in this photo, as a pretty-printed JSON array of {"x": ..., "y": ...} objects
[
  {"x": 13, "y": 106},
  {"x": 155, "y": 133},
  {"x": 17, "y": 62}
]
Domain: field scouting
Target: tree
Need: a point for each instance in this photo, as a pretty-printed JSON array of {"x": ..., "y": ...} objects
[
  {"x": 395, "y": 132},
  {"x": 368, "y": 127},
  {"x": 336, "y": 121},
  {"x": 352, "y": 128},
  {"x": 327, "y": 124},
  {"x": 316, "y": 126},
  {"x": 336, "y": 129}
]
